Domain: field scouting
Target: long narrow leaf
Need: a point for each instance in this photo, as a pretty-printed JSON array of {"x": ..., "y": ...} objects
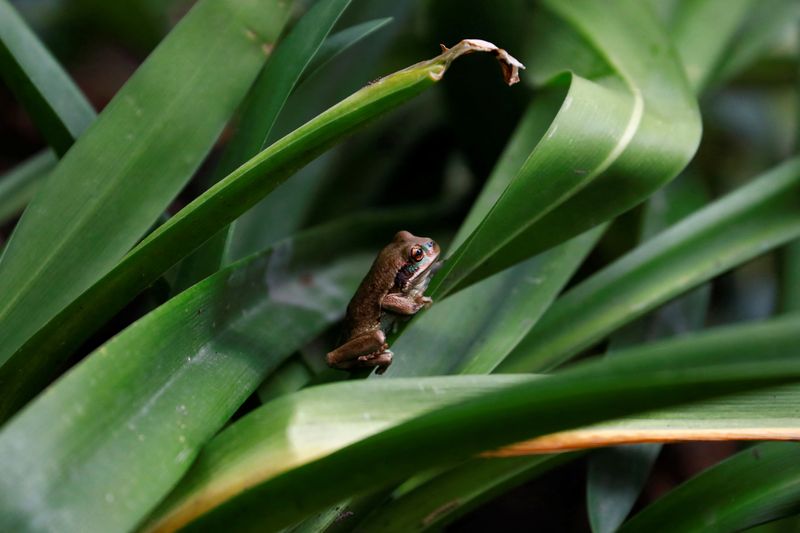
[
  {"x": 116, "y": 180},
  {"x": 340, "y": 42},
  {"x": 755, "y": 486},
  {"x": 616, "y": 476},
  {"x": 54, "y": 102},
  {"x": 743, "y": 224},
  {"x": 18, "y": 186},
  {"x": 32, "y": 365},
  {"x": 258, "y": 114}
]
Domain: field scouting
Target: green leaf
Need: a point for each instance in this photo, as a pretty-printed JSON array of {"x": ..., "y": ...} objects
[
  {"x": 475, "y": 329},
  {"x": 262, "y": 465},
  {"x": 18, "y": 186},
  {"x": 702, "y": 50},
  {"x": 276, "y": 81},
  {"x": 442, "y": 499},
  {"x": 33, "y": 364},
  {"x": 754, "y": 486},
  {"x": 565, "y": 188},
  {"x": 339, "y": 42},
  {"x": 107, "y": 191},
  {"x": 292, "y": 204},
  {"x": 731, "y": 230},
  {"x": 143, "y": 404},
  {"x": 56, "y": 105},
  {"x": 790, "y": 297},
  {"x": 616, "y": 476},
  {"x": 767, "y": 22},
  {"x": 258, "y": 114}
]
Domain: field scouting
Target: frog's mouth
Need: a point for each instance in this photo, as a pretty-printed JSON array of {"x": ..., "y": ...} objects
[{"x": 421, "y": 282}]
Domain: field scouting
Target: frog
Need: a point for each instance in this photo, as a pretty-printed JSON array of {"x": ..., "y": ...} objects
[{"x": 393, "y": 288}]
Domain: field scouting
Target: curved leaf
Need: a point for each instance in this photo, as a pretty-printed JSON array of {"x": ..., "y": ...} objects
[
  {"x": 640, "y": 109},
  {"x": 107, "y": 191},
  {"x": 264, "y": 464},
  {"x": 55, "y": 103}
]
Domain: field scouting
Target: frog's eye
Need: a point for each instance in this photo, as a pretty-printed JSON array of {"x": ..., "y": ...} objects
[{"x": 417, "y": 254}]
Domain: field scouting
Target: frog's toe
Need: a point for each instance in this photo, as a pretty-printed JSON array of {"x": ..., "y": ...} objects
[{"x": 381, "y": 360}]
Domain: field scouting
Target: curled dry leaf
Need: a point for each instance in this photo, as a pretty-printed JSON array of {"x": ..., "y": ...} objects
[{"x": 508, "y": 63}]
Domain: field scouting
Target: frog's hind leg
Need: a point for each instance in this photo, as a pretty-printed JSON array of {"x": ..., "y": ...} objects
[{"x": 359, "y": 351}]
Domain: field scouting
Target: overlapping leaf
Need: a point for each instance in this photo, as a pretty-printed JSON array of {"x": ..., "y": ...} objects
[
  {"x": 759, "y": 216},
  {"x": 124, "y": 172},
  {"x": 639, "y": 107},
  {"x": 34, "y": 363},
  {"x": 55, "y": 104},
  {"x": 262, "y": 465},
  {"x": 143, "y": 404}
]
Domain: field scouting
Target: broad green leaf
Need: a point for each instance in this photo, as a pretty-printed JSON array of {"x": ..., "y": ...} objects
[
  {"x": 640, "y": 109},
  {"x": 18, "y": 186},
  {"x": 755, "y": 486},
  {"x": 126, "y": 169},
  {"x": 54, "y": 102},
  {"x": 751, "y": 220},
  {"x": 144, "y": 403},
  {"x": 33, "y": 364},
  {"x": 263, "y": 464}
]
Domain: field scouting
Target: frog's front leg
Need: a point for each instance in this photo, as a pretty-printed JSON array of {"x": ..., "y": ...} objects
[
  {"x": 404, "y": 305},
  {"x": 366, "y": 350}
]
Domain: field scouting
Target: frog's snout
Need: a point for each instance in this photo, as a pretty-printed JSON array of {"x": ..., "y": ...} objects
[{"x": 436, "y": 266}]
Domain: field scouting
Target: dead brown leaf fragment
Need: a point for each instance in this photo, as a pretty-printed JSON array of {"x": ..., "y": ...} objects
[{"x": 508, "y": 63}]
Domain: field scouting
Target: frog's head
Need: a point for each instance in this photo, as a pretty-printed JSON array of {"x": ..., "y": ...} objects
[{"x": 419, "y": 260}]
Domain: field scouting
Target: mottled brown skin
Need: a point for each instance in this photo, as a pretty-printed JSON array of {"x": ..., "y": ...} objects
[{"x": 392, "y": 287}]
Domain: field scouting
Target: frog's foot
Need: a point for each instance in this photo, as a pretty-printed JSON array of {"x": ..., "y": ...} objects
[
  {"x": 348, "y": 355},
  {"x": 426, "y": 301},
  {"x": 381, "y": 360}
]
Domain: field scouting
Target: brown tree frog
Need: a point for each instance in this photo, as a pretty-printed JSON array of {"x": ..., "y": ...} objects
[{"x": 393, "y": 287}]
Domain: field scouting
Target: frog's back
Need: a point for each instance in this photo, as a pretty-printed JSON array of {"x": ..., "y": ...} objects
[{"x": 364, "y": 310}]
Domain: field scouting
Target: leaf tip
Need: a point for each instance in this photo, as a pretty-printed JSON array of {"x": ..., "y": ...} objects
[{"x": 508, "y": 63}]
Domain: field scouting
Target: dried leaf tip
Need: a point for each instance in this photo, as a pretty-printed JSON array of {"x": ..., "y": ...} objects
[{"x": 508, "y": 63}]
